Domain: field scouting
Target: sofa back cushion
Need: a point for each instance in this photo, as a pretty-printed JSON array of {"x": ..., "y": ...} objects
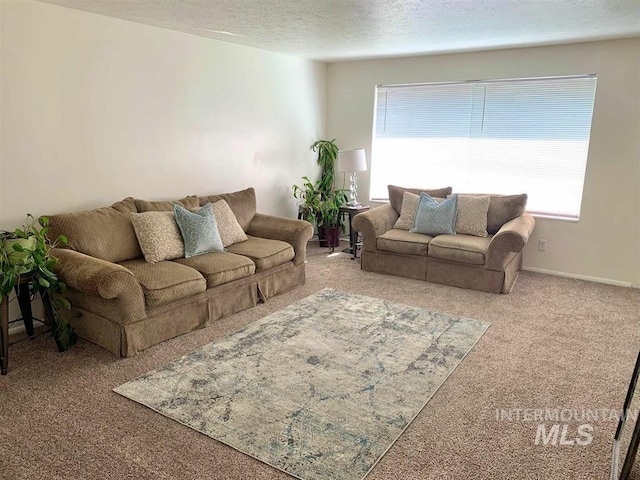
[
  {"x": 396, "y": 194},
  {"x": 503, "y": 208},
  {"x": 160, "y": 206},
  {"x": 242, "y": 204},
  {"x": 105, "y": 233}
]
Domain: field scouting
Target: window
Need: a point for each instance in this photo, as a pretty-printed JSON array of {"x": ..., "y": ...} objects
[{"x": 499, "y": 136}]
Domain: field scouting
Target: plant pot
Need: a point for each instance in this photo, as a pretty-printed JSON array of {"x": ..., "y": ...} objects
[
  {"x": 329, "y": 236},
  {"x": 323, "y": 237},
  {"x": 20, "y": 258},
  {"x": 334, "y": 236}
]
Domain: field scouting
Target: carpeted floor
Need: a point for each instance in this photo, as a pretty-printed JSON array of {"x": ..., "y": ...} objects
[{"x": 554, "y": 343}]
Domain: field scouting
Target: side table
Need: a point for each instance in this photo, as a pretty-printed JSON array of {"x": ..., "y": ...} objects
[
  {"x": 24, "y": 301},
  {"x": 353, "y": 235}
]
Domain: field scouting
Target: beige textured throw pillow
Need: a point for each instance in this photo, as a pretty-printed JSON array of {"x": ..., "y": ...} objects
[
  {"x": 230, "y": 230},
  {"x": 472, "y": 215},
  {"x": 159, "y": 236},
  {"x": 410, "y": 203}
]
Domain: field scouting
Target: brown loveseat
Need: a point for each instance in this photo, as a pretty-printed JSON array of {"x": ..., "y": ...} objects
[
  {"x": 128, "y": 304},
  {"x": 488, "y": 263}
]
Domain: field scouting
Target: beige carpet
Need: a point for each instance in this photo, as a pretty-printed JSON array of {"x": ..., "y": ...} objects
[{"x": 553, "y": 343}]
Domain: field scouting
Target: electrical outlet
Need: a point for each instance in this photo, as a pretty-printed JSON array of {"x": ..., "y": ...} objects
[{"x": 542, "y": 245}]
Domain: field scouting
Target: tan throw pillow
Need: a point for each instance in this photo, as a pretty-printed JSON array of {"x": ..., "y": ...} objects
[
  {"x": 242, "y": 204},
  {"x": 159, "y": 236},
  {"x": 230, "y": 230},
  {"x": 410, "y": 203},
  {"x": 472, "y": 215}
]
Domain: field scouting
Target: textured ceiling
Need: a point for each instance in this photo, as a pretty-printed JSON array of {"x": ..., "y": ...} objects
[{"x": 331, "y": 30}]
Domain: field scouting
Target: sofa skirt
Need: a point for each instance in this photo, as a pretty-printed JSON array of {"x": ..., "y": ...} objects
[
  {"x": 474, "y": 277},
  {"x": 189, "y": 314}
]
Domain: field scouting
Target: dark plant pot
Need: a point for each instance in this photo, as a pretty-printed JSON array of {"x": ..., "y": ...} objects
[
  {"x": 333, "y": 237},
  {"x": 322, "y": 236},
  {"x": 329, "y": 236}
]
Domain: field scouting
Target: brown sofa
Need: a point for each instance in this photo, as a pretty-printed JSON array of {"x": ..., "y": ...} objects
[
  {"x": 128, "y": 304},
  {"x": 490, "y": 263}
]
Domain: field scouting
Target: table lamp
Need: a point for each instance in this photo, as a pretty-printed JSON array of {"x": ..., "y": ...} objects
[{"x": 352, "y": 161}]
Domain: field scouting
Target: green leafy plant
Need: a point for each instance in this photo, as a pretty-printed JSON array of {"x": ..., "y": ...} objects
[
  {"x": 309, "y": 196},
  {"x": 327, "y": 154},
  {"x": 320, "y": 201},
  {"x": 27, "y": 251}
]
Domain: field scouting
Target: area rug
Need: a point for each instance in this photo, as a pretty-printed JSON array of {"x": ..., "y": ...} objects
[{"x": 321, "y": 389}]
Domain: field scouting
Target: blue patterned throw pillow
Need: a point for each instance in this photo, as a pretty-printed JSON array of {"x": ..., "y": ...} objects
[
  {"x": 199, "y": 230},
  {"x": 433, "y": 218}
]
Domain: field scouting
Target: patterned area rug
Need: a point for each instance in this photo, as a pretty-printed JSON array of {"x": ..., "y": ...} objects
[{"x": 321, "y": 389}]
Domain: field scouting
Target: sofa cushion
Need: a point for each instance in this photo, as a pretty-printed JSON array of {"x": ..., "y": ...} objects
[
  {"x": 242, "y": 204},
  {"x": 165, "y": 282},
  {"x": 230, "y": 230},
  {"x": 472, "y": 215},
  {"x": 460, "y": 248},
  {"x": 503, "y": 208},
  {"x": 402, "y": 241},
  {"x": 105, "y": 233},
  {"x": 159, "y": 236},
  {"x": 199, "y": 230},
  {"x": 220, "y": 267},
  {"x": 396, "y": 194},
  {"x": 166, "y": 206},
  {"x": 433, "y": 218},
  {"x": 264, "y": 252}
]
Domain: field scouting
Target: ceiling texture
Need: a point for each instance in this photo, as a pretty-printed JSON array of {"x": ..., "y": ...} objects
[{"x": 336, "y": 30}]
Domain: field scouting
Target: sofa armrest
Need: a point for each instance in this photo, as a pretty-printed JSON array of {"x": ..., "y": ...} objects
[
  {"x": 512, "y": 237},
  {"x": 98, "y": 278},
  {"x": 374, "y": 223},
  {"x": 295, "y": 232}
]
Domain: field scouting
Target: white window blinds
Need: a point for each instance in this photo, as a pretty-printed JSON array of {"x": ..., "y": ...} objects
[{"x": 505, "y": 136}]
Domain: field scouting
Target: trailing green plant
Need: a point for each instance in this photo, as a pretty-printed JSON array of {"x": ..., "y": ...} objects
[{"x": 27, "y": 251}]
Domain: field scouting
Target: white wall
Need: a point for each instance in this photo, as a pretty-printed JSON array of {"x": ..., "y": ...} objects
[
  {"x": 605, "y": 243},
  {"x": 95, "y": 109}
]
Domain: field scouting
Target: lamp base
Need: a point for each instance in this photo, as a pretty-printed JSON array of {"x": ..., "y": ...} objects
[{"x": 352, "y": 204}]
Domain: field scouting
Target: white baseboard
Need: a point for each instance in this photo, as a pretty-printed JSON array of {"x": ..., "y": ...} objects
[{"x": 608, "y": 281}]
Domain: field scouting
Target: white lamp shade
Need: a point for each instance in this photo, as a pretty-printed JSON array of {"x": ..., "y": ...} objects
[{"x": 352, "y": 160}]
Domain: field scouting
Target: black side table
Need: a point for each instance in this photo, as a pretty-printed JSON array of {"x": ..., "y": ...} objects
[
  {"x": 24, "y": 300},
  {"x": 353, "y": 235}
]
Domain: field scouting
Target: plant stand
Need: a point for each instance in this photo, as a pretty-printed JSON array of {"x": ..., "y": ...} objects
[{"x": 24, "y": 301}]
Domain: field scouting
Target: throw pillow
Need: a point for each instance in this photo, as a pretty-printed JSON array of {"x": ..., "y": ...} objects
[
  {"x": 230, "y": 230},
  {"x": 199, "y": 230},
  {"x": 433, "y": 218},
  {"x": 472, "y": 214},
  {"x": 410, "y": 203},
  {"x": 158, "y": 235}
]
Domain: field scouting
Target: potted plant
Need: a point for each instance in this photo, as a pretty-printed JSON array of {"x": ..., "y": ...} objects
[
  {"x": 329, "y": 219},
  {"x": 319, "y": 201},
  {"x": 27, "y": 251}
]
